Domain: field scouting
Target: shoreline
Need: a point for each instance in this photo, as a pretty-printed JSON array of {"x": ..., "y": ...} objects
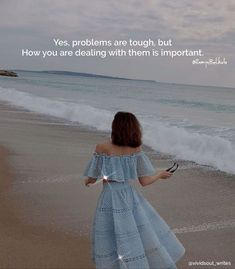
[
  {"x": 42, "y": 215},
  {"x": 52, "y": 120}
]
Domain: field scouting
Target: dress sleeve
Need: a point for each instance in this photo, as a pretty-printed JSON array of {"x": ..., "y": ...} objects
[
  {"x": 144, "y": 166},
  {"x": 94, "y": 167}
]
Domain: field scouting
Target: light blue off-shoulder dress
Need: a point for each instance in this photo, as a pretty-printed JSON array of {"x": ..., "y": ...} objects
[{"x": 127, "y": 232}]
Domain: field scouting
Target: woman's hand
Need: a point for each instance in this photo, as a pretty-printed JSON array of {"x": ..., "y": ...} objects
[
  {"x": 164, "y": 174},
  {"x": 89, "y": 181}
]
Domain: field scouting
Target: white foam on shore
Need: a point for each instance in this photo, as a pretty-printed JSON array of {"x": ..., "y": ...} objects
[
  {"x": 223, "y": 224},
  {"x": 201, "y": 148}
]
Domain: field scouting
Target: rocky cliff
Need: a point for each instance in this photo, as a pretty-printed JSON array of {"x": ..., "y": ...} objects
[{"x": 8, "y": 73}]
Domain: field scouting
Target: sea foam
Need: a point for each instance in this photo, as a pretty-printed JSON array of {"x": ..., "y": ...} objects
[{"x": 201, "y": 148}]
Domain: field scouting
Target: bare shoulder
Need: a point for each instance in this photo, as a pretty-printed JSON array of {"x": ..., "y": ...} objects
[
  {"x": 139, "y": 148},
  {"x": 108, "y": 148},
  {"x": 103, "y": 147}
]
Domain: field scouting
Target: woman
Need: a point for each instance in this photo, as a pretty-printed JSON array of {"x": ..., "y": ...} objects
[{"x": 127, "y": 232}]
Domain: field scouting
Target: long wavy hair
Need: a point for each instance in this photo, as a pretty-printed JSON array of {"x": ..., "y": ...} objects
[{"x": 126, "y": 130}]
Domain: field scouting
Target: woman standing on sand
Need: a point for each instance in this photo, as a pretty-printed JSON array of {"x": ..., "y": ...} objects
[{"x": 127, "y": 231}]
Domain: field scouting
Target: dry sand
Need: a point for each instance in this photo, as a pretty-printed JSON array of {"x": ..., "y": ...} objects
[{"x": 43, "y": 198}]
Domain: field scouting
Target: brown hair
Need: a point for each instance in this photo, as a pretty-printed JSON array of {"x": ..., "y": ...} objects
[{"x": 126, "y": 130}]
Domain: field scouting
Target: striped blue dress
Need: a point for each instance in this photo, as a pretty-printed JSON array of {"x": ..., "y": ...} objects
[{"x": 127, "y": 232}]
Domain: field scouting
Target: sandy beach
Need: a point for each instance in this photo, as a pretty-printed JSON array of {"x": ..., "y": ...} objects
[{"x": 46, "y": 211}]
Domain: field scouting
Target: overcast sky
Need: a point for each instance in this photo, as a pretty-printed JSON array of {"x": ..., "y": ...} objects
[{"x": 205, "y": 24}]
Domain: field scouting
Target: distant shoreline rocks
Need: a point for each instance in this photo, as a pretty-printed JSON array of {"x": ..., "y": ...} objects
[{"x": 8, "y": 73}]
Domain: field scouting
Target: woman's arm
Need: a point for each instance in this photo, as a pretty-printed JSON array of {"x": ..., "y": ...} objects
[
  {"x": 147, "y": 180},
  {"x": 89, "y": 180},
  {"x": 98, "y": 149}
]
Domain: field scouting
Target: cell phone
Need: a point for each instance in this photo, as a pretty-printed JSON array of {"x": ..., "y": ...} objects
[{"x": 173, "y": 168}]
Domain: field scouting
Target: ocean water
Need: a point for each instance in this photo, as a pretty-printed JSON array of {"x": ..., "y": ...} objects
[{"x": 195, "y": 123}]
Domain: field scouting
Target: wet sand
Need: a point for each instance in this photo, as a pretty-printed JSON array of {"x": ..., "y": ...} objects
[
  {"x": 24, "y": 243},
  {"x": 24, "y": 246},
  {"x": 46, "y": 211}
]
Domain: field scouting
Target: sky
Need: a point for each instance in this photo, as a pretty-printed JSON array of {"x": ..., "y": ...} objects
[{"x": 203, "y": 24}]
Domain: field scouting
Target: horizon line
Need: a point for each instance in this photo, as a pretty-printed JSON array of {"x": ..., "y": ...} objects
[{"x": 121, "y": 78}]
